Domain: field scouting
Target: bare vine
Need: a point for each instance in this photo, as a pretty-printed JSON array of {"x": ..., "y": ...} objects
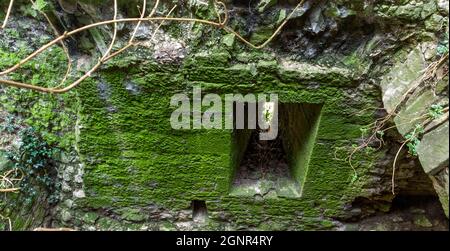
[
  {"x": 220, "y": 24},
  {"x": 378, "y": 127},
  {"x": 9, "y": 181},
  {"x": 8, "y": 12}
]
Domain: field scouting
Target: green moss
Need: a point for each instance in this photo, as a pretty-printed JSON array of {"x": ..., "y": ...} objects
[
  {"x": 90, "y": 218},
  {"x": 131, "y": 214},
  {"x": 422, "y": 221},
  {"x": 109, "y": 224},
  {"x": 327, "y": 224},
  {"x": 132, "y": 157},
  {"x": 261, "y": 34},
  {"x": 52, "y": 116}
]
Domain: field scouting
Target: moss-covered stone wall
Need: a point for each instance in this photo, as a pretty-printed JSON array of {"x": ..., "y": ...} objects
[
  {"x": 122, "y": 166},
  {"x": 133, "y": 158}
]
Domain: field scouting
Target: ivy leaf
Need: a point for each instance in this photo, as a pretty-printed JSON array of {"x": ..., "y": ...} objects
[
  {"x": 435, "y": 111},
  {"x": 412, "y": 146},
  {"x": 419, "y": 129},
  {"x": 39, "y": 5}
]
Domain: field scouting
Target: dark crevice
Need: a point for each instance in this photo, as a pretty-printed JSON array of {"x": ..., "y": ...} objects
[
  {"x": 275, "y": 167},
  {"x": 199, "y": 210},
  {"x": 262, "y": 160}
]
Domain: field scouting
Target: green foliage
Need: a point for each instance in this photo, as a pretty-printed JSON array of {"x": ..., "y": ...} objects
[
  {"x": 51, "y": 115},
  {"x": 39, "y": 5},
  {"x": 354, "y": 178},
  {"x": 435, "y": 111},
  {"x": 412, "y": 145},
  {"x": 35, "y": 8},
  {"x": 380, "y": 133},
  {"x": 370, "y": 150},
  {"x": 268, "y": 115},
  {"x": 34, "y": 159},
  {"x": 8, "y": 58},
  {"x": 8, "y": 125},
  {"x": 364, "y": 130},
  {"x": 413, "y": 139}
]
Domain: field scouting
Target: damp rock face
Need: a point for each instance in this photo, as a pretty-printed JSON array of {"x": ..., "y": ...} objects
[
  {"x": 402, "y": 81},
  {"x": 122, "y": 167}
]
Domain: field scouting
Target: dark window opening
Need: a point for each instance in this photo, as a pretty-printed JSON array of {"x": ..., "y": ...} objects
[
  {"x": 199, "y": 210},
  {"x": 275, "y": 168}
]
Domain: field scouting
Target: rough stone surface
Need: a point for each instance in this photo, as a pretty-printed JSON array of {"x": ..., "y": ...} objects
[
  {"x": 125, "y": 168},
  {"x": 433, "y": 150},
  {"x": 401, "y": 78},
  {"x": 440, "y": 183}
]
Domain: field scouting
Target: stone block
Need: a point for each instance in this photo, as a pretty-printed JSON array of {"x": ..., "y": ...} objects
[{"x": 433, "y": 150}]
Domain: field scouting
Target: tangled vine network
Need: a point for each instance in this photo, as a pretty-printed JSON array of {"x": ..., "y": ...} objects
[
  {"x": 377, "y": 128},
  {"x": 9, "y": 181},
  {"x": 220, "y": 23}
]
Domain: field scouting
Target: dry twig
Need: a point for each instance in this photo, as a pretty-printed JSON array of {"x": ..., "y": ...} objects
[
  {"x": 65, "y": 49},
  {"x": 378, "y": 127},
  {"x": 44, "y": 229},
  {"x": 9, "y": 221},
  {"x": 221, "y": 25},
  {"x": 8, "y": 12}
]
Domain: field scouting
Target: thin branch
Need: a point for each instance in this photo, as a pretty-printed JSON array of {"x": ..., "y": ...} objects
[
  {"x": 130, "y": 42},
  {"x": 44, "y": 229},
  {"x": 9, "y": 190},
  {"x": 154, "y": 9},
  {"x": 160, "y": 24},
  {"x": 68, "y": 34},
  {"x": 9, "y": 221},
  {"x": 8, "y": 12},
  {"x": 273, "y": 35},
  {"x": 66, "y": 50},
  {"x": 113, "y": 40},
  {"x": 393, "y": 165},
  {"x": 219, "y": 17},
  {"x": 100, "y": 61},
  {"x": 7, "y": 183},
  {"x": 144, "y": 5}
]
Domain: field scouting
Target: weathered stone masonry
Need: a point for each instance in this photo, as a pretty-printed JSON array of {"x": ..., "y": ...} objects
[{"x": 128, "y": 169}]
